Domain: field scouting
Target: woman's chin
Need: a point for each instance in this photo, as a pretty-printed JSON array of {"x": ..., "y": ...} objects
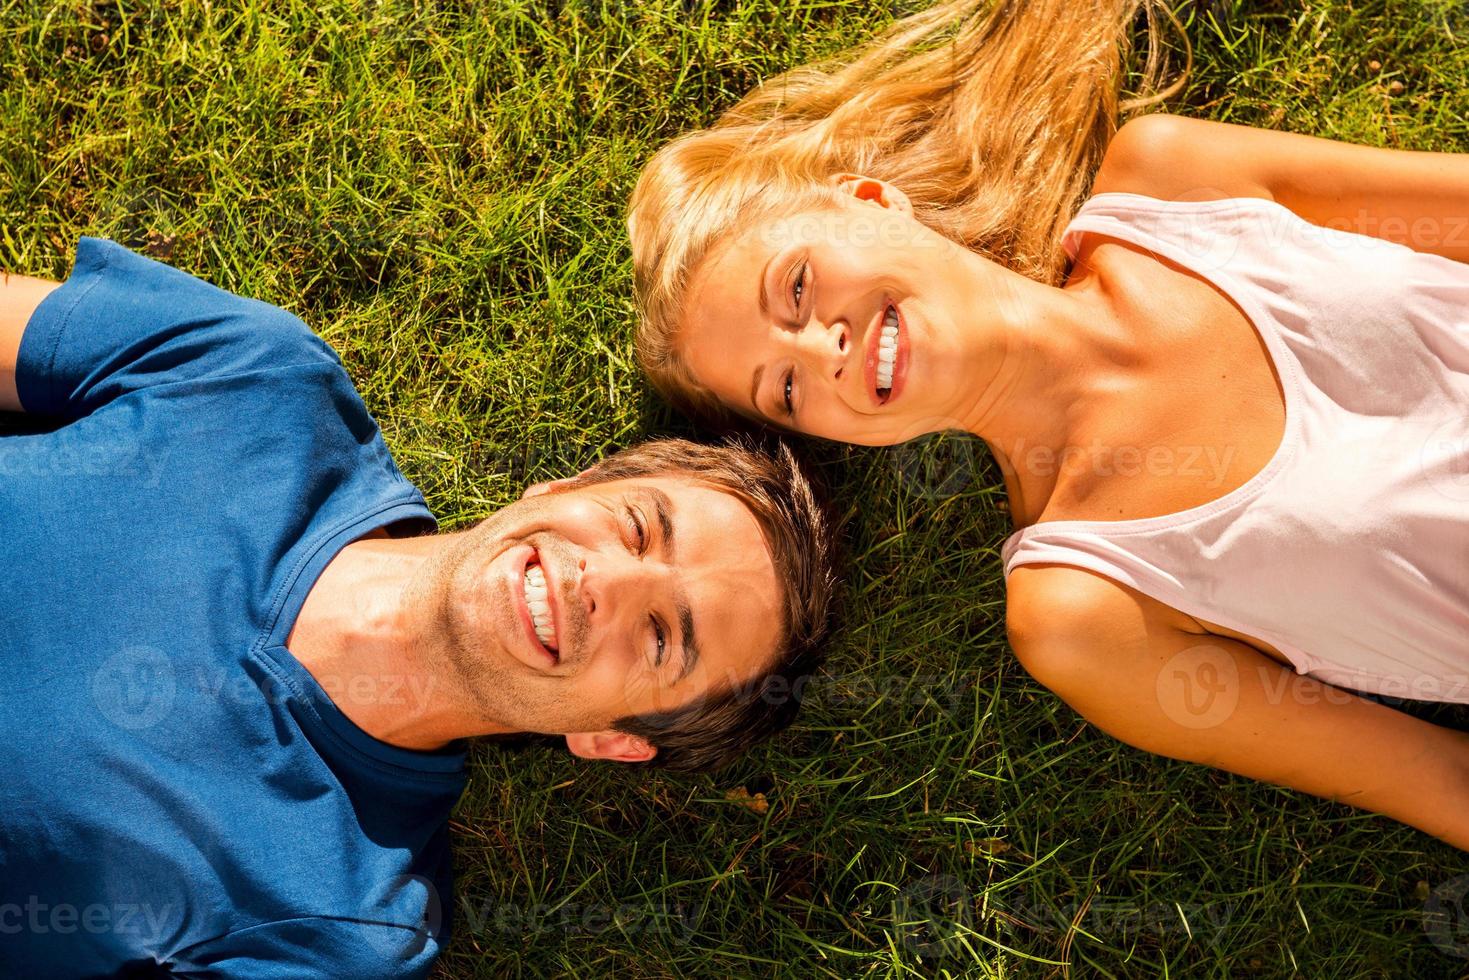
[{"x": 886, "y": 433}]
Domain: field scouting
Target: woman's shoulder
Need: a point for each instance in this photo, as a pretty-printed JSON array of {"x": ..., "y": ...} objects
[
  {"x": 1176, "y": 158},
  {"x": 1047, "y": 602}
]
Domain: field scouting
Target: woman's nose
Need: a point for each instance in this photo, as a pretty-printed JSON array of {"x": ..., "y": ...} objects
[{"x": 827, "y": 348}]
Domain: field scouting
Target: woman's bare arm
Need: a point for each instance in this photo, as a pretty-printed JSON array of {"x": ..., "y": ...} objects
[
  {"x": 1411, "y": 197},
  {"x": 19, "y": 297},
  {"x": 1202, "y": 698}
]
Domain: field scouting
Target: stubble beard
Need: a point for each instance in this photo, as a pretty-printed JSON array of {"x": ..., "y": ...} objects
[
  {"x": 480, "y": 680},
  {"x": 448, "y": 644}
]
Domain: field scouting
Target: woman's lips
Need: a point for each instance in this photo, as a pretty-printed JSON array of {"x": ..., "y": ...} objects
[{"x": 900, "y": 360}]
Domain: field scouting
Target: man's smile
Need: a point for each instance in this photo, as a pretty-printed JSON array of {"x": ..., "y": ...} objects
[{"x": 534, "y": 587}]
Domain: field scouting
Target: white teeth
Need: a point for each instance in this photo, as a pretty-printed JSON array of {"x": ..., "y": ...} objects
[
  {"x": 887, "y": 351},
  {"x": 540, "y": 609}
]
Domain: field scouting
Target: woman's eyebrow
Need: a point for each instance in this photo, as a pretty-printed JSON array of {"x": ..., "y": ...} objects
[
  {"x": 764, "y": 297},
  {"x": 755, "y": 387}
]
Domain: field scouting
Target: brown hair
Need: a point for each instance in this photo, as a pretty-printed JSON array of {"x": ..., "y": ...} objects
[
  {"x": 795, "y": 522},
  {"x": 991, "y": 115}
]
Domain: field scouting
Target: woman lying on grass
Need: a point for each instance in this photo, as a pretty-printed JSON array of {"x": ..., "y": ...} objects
[{"x": 1271, "y": 416}]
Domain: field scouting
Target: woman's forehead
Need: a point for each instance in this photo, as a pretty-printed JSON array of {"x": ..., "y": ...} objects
[{"x": 765, "y": 233}]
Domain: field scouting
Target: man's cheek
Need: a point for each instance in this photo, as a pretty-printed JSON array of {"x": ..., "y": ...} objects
[
  {"x": 638, "y": 693},
  {"x": 580, "y": 522}
]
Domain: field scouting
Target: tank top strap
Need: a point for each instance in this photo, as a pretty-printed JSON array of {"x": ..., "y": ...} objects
[
  {"x": 1205, "y": 236},
  {"x": 1166, "y": 570},
  {"x": 1088, "y": 550}
]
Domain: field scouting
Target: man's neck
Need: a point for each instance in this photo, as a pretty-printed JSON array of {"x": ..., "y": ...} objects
[{"x": 363, "y": 635}]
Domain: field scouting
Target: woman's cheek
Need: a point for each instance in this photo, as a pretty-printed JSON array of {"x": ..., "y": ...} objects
[{"x": 836, "y": 423}]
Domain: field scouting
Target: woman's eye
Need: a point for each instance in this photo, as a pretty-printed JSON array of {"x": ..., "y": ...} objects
[
  {"x": 658, "y": 635},
  {"x": 786, "y": 388},
  {"x": 799, "y": 287}
]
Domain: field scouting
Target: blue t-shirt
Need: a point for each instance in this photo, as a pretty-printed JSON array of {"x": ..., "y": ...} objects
[{"x": 177, "y": 789}]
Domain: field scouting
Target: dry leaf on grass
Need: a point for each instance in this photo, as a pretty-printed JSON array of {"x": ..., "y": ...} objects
[{"x": 742, "y": 796}]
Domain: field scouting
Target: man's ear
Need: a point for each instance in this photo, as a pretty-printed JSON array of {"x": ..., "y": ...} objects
[
  {"x": 871, "y": 189},
  {"x": 616, "y": 746},
  {"x": 546, "y": 486}
]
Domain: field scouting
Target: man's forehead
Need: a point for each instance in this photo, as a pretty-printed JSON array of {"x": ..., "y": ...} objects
[
  {"x": 693, "y": 501},
  {"x": 709, "y": 523}
]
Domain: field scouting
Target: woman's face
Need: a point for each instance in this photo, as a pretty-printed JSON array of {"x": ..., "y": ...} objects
[{"x": 849, "y": 323}]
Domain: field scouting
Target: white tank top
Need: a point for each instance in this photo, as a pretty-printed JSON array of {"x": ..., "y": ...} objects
[{"x": 1349, "y": 551}]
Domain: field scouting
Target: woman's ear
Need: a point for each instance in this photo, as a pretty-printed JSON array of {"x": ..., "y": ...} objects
[
  {"x": 616, "y": 746},
  {"x": 871, "y": 189}
]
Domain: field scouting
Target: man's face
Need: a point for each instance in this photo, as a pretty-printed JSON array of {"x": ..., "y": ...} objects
[{"x": 656, "y": 592}]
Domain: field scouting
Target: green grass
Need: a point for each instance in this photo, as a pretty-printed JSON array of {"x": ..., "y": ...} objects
[{"x": 438, "y": 190}]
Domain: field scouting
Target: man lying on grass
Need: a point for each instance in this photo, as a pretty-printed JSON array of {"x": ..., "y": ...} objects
[{"x": 240, "y": 667}]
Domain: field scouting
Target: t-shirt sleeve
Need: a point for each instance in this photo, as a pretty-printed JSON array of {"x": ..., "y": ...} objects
[
  {"x": 123, "y": 322},
  {"x": 313, "y": 948}
]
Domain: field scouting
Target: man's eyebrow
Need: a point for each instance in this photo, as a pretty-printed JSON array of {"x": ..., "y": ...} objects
[
  {"x": 663, "y": 510},
  {"x": 690, "y": 645}
]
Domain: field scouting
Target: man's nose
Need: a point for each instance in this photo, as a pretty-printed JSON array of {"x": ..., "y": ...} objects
[
  {"x": 587, "y": 588},
  {"x": 609, "y": 582}
]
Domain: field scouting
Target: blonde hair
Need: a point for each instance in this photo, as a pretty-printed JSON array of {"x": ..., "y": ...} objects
[{"x": 991, "y": 115}]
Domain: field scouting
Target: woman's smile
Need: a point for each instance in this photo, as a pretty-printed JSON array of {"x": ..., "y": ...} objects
[{"x": 887, "y": 356}]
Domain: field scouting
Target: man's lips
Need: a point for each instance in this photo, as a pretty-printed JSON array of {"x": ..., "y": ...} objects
[
  {"x": 538, "y": 656},
  {"x": 900, "y": 360}
]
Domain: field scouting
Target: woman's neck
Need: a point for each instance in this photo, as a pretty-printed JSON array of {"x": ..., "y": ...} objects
[{"x": 1068, "y": 353}]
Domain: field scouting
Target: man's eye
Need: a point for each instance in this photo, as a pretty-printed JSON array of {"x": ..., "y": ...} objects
[
  {"x": 639, "y": 529},
  {"x": 800, "y": 286},
  {"x": 786, "y": 387},
  {"x": 662, "y": 642}
]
